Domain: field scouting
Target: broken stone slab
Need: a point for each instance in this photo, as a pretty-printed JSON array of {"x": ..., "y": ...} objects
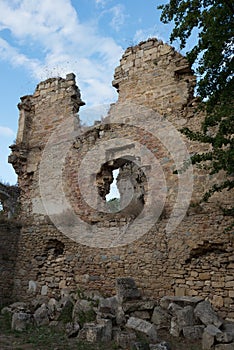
[
  {"x": 229, "y": 346},
  {"x": 16, "y": 307},
  {"x": 123, "y": 338},
  {"x": 144, "y": 315},
  {"x": 161, "y": 346},
  {"x": 160, "y": 318},
  {"x": 185, "y": 317},
  {"x": 72, "y": 329},
  {"x": 107, "y": 307},
  {"x": 41, "y": 316},
  {"x": 175, "y": 330},
  {"x": 95, "y": 333},
  {"x": 144, "y": 327},
  {"x": 181, "y": 301},
  {"x": 140, "y": 346},
  {"x": 52, "y": 308},
  {"x": 126, "y": 289},
  {"x": 229, "y": 329},
  {"x": 208, "y": 336},
  {"x": 205, "y": 313},
  {"x": 193, "y": 332},
  {"x": 224, "y": 337},
  {"x": 173, "y": 308},
  {"x": 140, "y": 305},
  {"x": 110, "y": 308},
  {"x": 106, "y": 330},
  {"x": 20, "y": 321},
  {"x": 83, "y": 311}
]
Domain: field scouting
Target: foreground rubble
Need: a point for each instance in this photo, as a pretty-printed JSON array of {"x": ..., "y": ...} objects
[{"x": 127, "y": 318}]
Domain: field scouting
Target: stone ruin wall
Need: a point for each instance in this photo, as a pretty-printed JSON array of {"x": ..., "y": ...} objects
[{"x": 195, "y": 259}]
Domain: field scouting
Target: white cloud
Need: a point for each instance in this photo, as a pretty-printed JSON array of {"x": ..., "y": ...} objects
[
  {"x": 118, "y": 17},
  {"x": 144, "y": 34},
  {"x": 101, "y": 2},
  {"x": 63, "y": 42},
  {"x": 6, "y": 132}
]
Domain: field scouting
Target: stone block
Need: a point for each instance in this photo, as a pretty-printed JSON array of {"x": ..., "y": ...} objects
[
  {"x": 141, "y": 305},
  {"x": 185, "y": 317},
  {"x": 225, "y": 346},
  {"x": 193, "y": 332},
  {"x": 144, "y": 327},
  {"x": 123, "y": 338},
  {"x": 95, "y": 333},
  {"x": 41, "y": 316},
  {"x": 160, "y": 318},
  {"x": 208, "y": 337},
  {"x": 174, "y": 328},
  {"x": 140, "y": 346},
  {"x": 20, "y": 321},
  {"x": 205, "y": 313},
  {"x": 126, "y": 289},
  {"x": 161, "y": 346},
  {"x": 72, "y": 329},
  {"x": 83, "y": 311},
  {"x": 181, "y": 301}
]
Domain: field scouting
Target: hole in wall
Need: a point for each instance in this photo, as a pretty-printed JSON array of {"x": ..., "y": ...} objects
[
  {"x": 55, "y": 247},
  {"x": 114, "y": 192},
  {"x": 121, "y": 184}
]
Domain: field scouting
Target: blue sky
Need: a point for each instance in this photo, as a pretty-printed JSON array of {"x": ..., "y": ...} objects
[{"x": 44, "y": 38}]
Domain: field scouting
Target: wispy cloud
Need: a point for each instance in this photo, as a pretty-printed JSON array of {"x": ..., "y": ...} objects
[
  {"x": 144, "y": 34},
  {"x": 101, "y": 3},
  {"x": 64, "y": 42},
  {"x": 119, "y": 16},
  {"x": 6, "y": 132}
]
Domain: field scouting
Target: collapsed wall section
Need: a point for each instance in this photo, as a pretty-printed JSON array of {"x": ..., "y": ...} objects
[{"x": 155, "y": 87}]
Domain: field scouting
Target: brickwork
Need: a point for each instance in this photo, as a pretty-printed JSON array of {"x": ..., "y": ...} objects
[{"x": 155, "y": 85}]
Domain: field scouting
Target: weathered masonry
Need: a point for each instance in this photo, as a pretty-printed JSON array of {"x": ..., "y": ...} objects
[{"x": 155, "y": 86}]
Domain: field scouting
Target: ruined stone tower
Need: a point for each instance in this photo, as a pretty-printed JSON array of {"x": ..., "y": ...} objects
[{"x": 65, "y": 171}]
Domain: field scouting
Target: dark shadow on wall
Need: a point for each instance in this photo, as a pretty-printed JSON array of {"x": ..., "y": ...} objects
[{"x": 9, "y": 237}]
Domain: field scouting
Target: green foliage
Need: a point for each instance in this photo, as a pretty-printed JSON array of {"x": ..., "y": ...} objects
[
  {"x": 66, "y": 313},
  {"x": 213, "y": 54},
  {"x": 114, "y": 205}
]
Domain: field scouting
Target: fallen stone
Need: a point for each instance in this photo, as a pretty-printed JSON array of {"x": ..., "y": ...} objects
[
  {"x": 72, "y": 329},
  {"x": 144, "y": 315},
  {"x": 95, "y": 333},
  {"x": 83, "y": 312},
  {"x": 205, "y": 313},
  {"x": 193, "y": 332},
  {"x": 228, "y": 328},
  {"x": 185, "y": 317},
  {"x": 173, "y": 308},
  {"x": 175, "y": 330},
  {"x": 161, "y": 346},
  {"x": 181, "y": 301},
  {"x": 208, "y": 336},
  {"x": 20, "y": 321},
  {"x": 106, "y": 330},
  {"x": 140, "y": 346},
  {"x": 107, "y": 307},
  {"x": 225, "y": 346},
  {"x": 138, "y": 305},
  {"x": 126, "y": 289},
  {"x": 52, "y": 308},
  {"x": 144, "y": 327},
  {"x": 160, "y": 318},
  {"x": 224, "y": 337},
  {"x": 123, "y": 338},
  {"x": 41, "y": 316},
  {"x": 16, "y": 307}
]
